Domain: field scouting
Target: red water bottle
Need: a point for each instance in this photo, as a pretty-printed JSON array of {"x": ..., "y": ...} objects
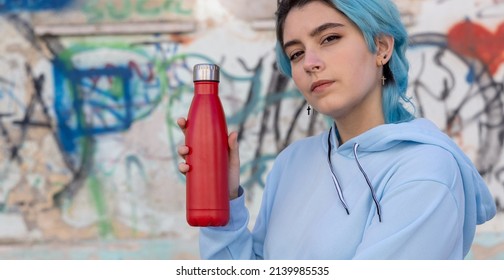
[{"x": 207, "y": 197}]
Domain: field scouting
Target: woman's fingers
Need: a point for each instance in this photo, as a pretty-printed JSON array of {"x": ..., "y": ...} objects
[
  {"x": 234, "y": 165},
  {"x": 183, "y": 151},
  {"x": 182, "y": 123},
  {"x": 183, "y": 167}
]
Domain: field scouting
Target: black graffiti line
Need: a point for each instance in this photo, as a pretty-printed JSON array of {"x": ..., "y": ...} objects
[
  {"x": 26, "y": 121},
  {"x": 5, "y": 132},
  {"x": 250, "y": 95},
  {"x": 3, "y": 128},
  {"x": 25, "y": 29},
  {"x": 78, "y": 171},
  {"x": 278, "y": 85},
  {"x": 439, "y": 40}
]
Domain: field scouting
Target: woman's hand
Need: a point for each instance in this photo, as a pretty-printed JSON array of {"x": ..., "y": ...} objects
[{"x": 234, "y": 159}]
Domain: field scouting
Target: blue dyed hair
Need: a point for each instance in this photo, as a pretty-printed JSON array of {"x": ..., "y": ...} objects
[{"x": 374, "y": 18}]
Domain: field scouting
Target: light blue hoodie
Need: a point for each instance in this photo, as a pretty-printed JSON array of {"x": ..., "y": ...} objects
[{"x": 410, "y": 192}]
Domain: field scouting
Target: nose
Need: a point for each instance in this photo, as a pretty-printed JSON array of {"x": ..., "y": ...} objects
[{"x": 312, "y": 62}]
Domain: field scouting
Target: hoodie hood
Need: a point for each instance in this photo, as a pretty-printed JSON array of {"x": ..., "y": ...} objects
[{"x": 479, "y": 203}]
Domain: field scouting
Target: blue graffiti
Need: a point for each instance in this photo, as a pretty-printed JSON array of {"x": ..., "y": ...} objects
[
  {"x": 86, "y": 107},
  {"x": 9, "y": 6}
]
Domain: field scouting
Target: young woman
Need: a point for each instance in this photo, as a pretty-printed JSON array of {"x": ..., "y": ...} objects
[{"x": 379, "y": 184}]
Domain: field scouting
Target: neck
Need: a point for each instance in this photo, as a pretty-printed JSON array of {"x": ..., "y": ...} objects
[
  {"x": 360, "y": 120},
  {"x": 352, "y": 128}
]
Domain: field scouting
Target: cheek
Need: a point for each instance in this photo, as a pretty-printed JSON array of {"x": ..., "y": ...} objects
[
  {"x": 298, "y": 77},
  {"x": 365, "y": 69}
]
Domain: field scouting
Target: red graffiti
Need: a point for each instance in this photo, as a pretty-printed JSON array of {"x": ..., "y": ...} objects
[{"x": 475, "y": 41}]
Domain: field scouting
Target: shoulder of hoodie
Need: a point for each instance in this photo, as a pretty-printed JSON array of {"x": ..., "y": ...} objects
[
  {"x": 426, "y": 162},
  {"x": 300, "y": 149},
  {"x": 290, "y": 158}
]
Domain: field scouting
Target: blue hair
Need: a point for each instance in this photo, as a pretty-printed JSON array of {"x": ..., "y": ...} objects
[{"x": 374, "y": 18}]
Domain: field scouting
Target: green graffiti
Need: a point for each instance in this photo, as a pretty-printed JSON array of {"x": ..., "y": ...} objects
[
  {"x": 117, "y": 13},
  {"x": 94, "y": 15},
  {"x": 116, "y": 89},
  {"x": 104, "y": 223},
  {"x": 133, "y": 164},
  {"x": 102, "y": 10},
  {"x": 176, "y": 7},
  {"x": 143, "y": 10}
]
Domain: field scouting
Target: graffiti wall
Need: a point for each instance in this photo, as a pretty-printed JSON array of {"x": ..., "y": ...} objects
[{"x": 88, "y": 104}]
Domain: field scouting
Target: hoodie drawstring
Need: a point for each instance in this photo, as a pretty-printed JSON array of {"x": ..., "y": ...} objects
[
  {"x": 378, "y": 207},
  {"x": 333, "y": 175},
  {"x": 337, "y": 184}
]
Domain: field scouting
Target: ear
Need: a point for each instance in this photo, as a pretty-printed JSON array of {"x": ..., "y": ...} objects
[{"x": 384, "y": 49}]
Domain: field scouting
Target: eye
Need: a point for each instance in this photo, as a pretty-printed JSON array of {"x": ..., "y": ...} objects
[
  {"x": 331, "y": 38},
  {"x": 295, "y": 55}
]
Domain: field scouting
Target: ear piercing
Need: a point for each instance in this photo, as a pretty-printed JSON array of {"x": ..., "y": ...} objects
[{"x": 383, "y": 76}]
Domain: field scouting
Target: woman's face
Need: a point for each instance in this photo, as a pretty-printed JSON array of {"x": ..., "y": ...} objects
[{"x": 331, "y": 63}]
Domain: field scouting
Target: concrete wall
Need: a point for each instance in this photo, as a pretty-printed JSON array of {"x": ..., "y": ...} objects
[{"x": 90, "y": 91}]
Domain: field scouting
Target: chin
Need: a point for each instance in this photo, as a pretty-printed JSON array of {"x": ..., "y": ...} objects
[{"x": 328, "y": 110}]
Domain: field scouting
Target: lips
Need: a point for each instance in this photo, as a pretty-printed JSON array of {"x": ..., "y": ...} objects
[{"x": 320, "y": 85}]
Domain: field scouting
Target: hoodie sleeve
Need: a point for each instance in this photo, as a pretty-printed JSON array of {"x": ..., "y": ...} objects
[
  {"x": 422, "y": 218},
  {"x": 233, "y": 241},
  {"x": 426, "y": 224}
]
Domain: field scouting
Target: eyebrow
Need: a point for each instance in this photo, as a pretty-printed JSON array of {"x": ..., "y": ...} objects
[{"x": 315, "y": 32}]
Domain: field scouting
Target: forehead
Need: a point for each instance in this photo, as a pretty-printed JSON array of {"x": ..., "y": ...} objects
[{"x": 306, "y": 18}]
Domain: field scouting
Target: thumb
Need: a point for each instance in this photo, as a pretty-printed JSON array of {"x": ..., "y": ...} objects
[
  {"x": 234, "y": 165},
  {"x": 234, "y": 155}
]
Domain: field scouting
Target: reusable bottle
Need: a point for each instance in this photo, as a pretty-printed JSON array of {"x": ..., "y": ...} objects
[{"x": 207, "y": 194}]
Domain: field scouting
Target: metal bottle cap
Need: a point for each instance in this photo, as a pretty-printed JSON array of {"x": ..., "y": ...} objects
[{"x": 206, "y": 72}]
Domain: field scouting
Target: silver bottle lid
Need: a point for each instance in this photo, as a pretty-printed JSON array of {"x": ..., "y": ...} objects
[{"x": 206, "y": 72}]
